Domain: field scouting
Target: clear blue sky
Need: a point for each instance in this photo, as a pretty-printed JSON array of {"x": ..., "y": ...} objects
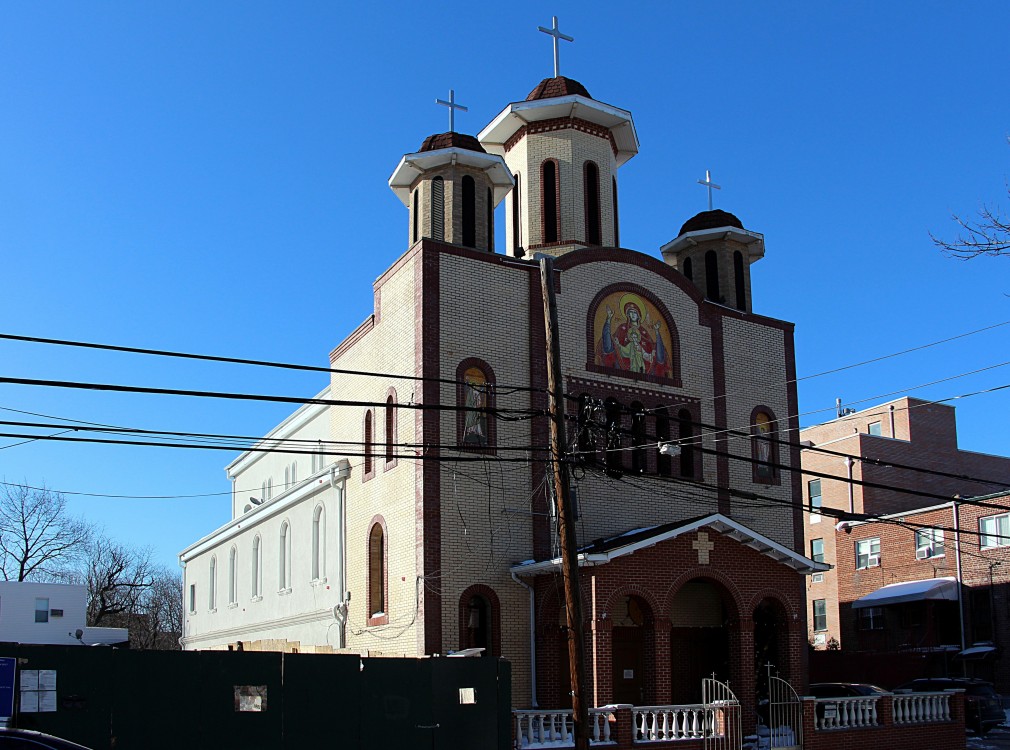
[{"x": 211, "y": 177}]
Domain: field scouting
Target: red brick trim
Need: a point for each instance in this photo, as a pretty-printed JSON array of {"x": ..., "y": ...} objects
[
  {"x": 792, "y": 609},
  {"x": 773, "y": 447},
  {"x": 655, "y": 608},
  {"x": 382, "y": 619},
  {"x": 591, "y": 365},
  {"x": 353, "y": 338},
  {"x": 562, "y": 123},
  {"x": 368, "y": 430},
  {"x": 492, "y": 428},
  {"x": 427, "y": 425},
  {"x": 488, "y": 593},
  {"x": 389, "y": 446}
]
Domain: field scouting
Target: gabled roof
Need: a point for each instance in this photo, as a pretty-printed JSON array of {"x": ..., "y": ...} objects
[{"x": 602, "y": 551}]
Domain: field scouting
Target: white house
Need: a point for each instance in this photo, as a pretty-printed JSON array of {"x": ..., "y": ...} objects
[{"x": 53, "y": 613}]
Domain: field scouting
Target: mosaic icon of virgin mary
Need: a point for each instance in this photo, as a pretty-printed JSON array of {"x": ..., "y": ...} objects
[{"x": 636, "y": 344}]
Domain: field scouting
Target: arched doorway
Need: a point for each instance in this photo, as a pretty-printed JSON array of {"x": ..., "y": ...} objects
[
  {"x": 771, "y": 643},
  {"x": 699, "y": 638},
  {"x": 631, "y": 638},
  {"x": 478, "y": 623}
]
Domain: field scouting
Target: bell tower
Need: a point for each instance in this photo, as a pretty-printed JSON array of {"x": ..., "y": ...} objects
[{"x": 450, "y": 187}]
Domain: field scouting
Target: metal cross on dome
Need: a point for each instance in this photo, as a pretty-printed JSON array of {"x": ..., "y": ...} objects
[
  {"x": 556, "y": 33},
  {"x": 451, "y": 104},
  {"x": 707, "y": 182}
]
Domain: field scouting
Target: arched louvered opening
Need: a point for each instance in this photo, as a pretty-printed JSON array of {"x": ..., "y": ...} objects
[
  {"x": 517, "y": 227},
  {"x": 416, "y": 216},
  {"x": 376, "y": 572},
  {"x": 549, "y": 193},
  {"x": 738, "y": 280},
  {"x": 591, "y": 184},
  {"x": 638, "y": 438},
  {"x": 368, "y": 442},
  {"x": 688, "y": 269},
  {"x": 587, "y": 446},
  {"x": 664, "y": 463},
  {"x": 469, "y": 212},
  {"x": 712, "y": 276},
  {"x": 617, "y": 230},
  {"x": 685, "y": 425},
  {"x": 390, "y": 428},
  {"x": 614, "y": 463},
  {"x": 438, "y": 209}
]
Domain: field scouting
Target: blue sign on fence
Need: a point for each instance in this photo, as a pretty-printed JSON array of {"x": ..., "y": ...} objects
[{"x": 7, "y": 668}]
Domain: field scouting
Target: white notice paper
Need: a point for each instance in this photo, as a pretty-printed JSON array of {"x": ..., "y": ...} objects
[
  {"x": 29, "y": 679},
  {"x": 47, "y": 679},
  {"x": 47, "y": 700},
  {"x": 29, "y": 702}
]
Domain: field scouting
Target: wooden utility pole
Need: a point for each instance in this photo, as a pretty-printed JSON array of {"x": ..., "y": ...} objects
[{"x": 566, "y": 523}]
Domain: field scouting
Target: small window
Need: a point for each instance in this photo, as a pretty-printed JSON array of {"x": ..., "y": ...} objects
[
  {"x": 688, "y": 269},
  {"x": 368, "y": 442},
  {"x": 490, "y": 220},
  {"x": 738, "y": 281},
  {"x": 257, "y": 567},
  {"x": 438, "y": 209},
  {"x": 868, "y": 553},
  {"x": 871, "y": 618},
  {"x": 284, "y": 558},
  {"x": 390, "y": 428},
  {"x": 817, "y": 578},
  {"x": 192, "y": 601},
  {"x": 764, "y": 450},
  {"x": 814, "y": 500},
  {"x": 638, "y": 438},
  {"x": 873, "y": 428},
  {"x": 712, "y": 276},
  {"x": 591, "y": 179},
  {"x": 517, "y": 232},
  {"x": 376, "y": 572},
  {"x": 817, "y": 550},
  {"x": 928, "y": 543},
  {"x": 233, "y": 576},
  {"x": 212, "y": 585},
  {"x": 995, "y": 530},
  {"x": 820, "y": 614},
  {"x": 318, "y": 543},
  {"x": 42, "y": 610},
  {"x": 416, "y": 212}
]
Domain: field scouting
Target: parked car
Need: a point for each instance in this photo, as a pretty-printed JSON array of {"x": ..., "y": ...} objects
[
  {"x": 983, "y": 708},
  {"x": 26, "y": 739},
  {"x": 844, "y": 689}
]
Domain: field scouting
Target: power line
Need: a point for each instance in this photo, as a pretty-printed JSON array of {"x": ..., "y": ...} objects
[
  {"x": 241, "y": 361},
  {"x": 258, "y": 397}
]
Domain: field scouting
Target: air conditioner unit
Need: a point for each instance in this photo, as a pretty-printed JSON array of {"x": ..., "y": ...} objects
[
  {"x": 923, "y": 553},
  {"x": 873, "y": 561}
]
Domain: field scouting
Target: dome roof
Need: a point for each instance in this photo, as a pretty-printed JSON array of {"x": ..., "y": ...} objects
[
  {"x": 450, "y": 140},
  {"x": 549, "y": 88},
  {"x": 710, "y": 220}
]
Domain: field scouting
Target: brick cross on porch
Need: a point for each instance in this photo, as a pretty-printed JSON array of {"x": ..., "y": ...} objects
[{"x": 703, "y": 546}]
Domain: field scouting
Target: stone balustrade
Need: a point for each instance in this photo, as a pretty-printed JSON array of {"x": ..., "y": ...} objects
[
  {"x": 656, "y": 723},
  {"x": 846, "y": 713},
  {"x": 912, "y": 708}
]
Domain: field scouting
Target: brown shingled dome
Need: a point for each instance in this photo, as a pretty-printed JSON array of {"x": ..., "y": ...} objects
[
  {"x": 710, "y": 220},
  {"x": 550, "y": 88},
  {"x": 449, "y": 140}
]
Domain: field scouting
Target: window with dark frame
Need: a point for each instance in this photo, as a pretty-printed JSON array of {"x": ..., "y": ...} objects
[
  {"x": 549, "y": 193},
  {"x": 817, "y": 550},
  {"x": 591, "y": 180},
  {"x": 469, "y": 212},
  {"x": 376, "y": 572},
  {"x": 820, "y": 607}
]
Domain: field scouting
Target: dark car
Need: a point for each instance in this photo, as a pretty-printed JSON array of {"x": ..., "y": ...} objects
[
  {"x": 26, "y": 739},
  {"x": 983, "y": 708},
  {"x": 844, "y": 690}
]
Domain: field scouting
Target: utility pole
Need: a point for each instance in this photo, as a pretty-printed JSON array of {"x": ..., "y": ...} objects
[{"x": 566, "y": 523}]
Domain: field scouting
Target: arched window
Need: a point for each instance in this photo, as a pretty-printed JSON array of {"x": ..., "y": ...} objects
[
  {"x": 479, "y": 619},
  {"x": 233, "y": 576},
  {"x": 517, "y": 231},
  {"x": 438, "y": 209},
  {"x": 617, "y": 230},
  {"x": 318, "y": 543},
  {"x": 638, "y": 438},
  {"x": 469, "y": 212},
  {"x": 376, "y": 574},
  {"x": 257, "y": 567},
  {"x": 287, "y": 477},
  {"x": 688, "y": 269},
  {"x": 738, "y": 280},
  {"x": 270, "y": 488},
  {"x": 663, "y": 462},
  {"x": 549, "y": 196},
  {"x": 591, "y": 183},
  {"x": 369, "y": 467},
  {"x": 294, "y": 472},
  {"x": 614, "y": 463},
  {"x": 490, "y": 220},
  {"x": 587, "y": 446},
  {"x": 212, "y": 589},
  {"x": 284, "y": 558},
  {"x": 476, "y": 401},
  {"x": 685, "y": 425},
  {"x": 712, "y": 276},
  {"x": 764, "y": 449},
  {"x": 263, "y": 490},
  {"x": 390, "y": 428},
  {"x": 415, "y": 217}
]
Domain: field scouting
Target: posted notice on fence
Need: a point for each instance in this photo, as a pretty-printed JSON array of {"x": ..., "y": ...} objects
[{"x": 38, "y": 690}]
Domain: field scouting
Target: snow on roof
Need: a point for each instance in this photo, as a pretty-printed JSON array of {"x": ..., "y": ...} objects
[{"x": 944, "y": 589}]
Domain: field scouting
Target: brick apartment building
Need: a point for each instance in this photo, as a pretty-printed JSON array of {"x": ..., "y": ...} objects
[
  {"x": 938, "y": 583},
  {"x": 872, "y": 462}
]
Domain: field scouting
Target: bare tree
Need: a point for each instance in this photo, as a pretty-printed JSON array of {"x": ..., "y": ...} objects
[
  {"x": 117, "y": 578},
  {"x": 988, "y": 235},
  {"x": 159, "y": 625},
  {"x": 39, "y": 538}
]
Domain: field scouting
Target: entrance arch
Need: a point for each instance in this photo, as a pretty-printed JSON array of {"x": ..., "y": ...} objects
[
  {"x": 771, "y": 642},
  {"x": 702, "y": 618}
]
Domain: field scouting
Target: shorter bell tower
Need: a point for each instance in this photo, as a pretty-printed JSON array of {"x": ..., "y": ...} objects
[
  {"x": 715, "y": 252},
  {"x": 451, "y": 186}
]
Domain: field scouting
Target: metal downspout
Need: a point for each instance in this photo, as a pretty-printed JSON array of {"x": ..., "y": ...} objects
[
  {"x": 957, "y": 558},
  {"x": 338, "y": 474},
  {"x": 533, "y": 640}
]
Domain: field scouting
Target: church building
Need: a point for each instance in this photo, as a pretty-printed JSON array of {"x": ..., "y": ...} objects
[{"x": 419, "y": 519}]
